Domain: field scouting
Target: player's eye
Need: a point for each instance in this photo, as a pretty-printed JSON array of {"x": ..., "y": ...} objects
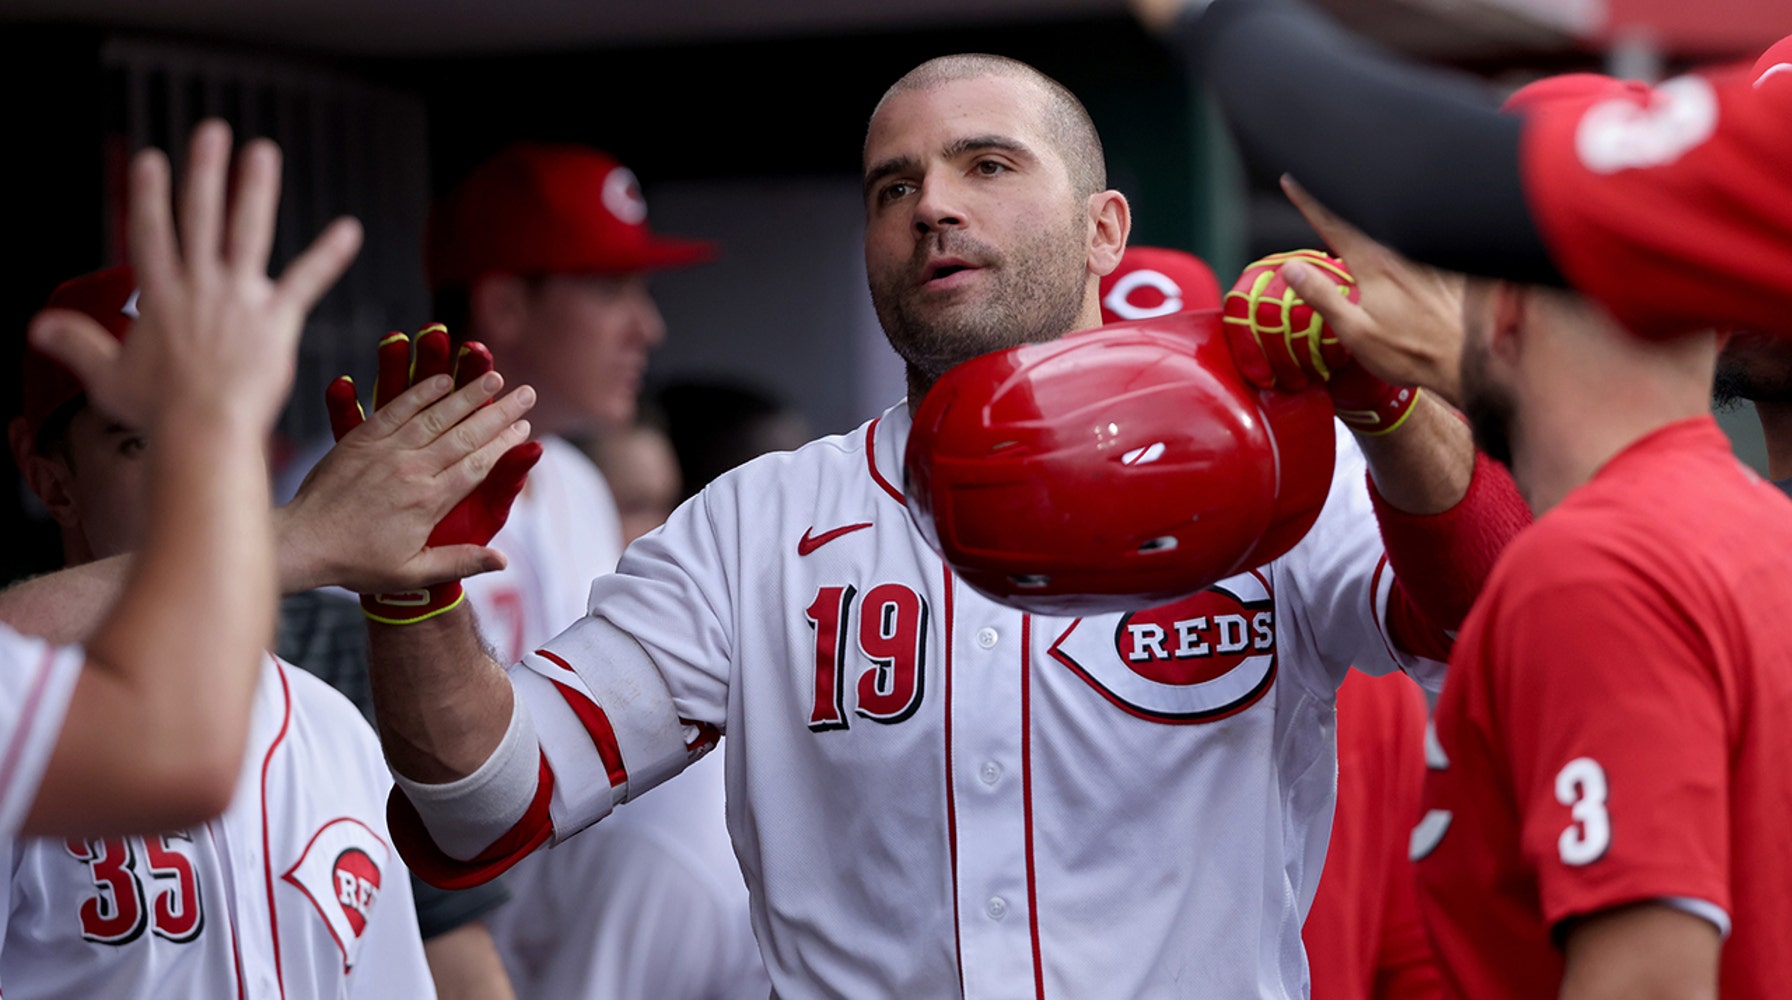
[
  {"x": 990, "y": 168},
  {"x": 132, "y": 446},
  {"x": 894, "y": 191}
]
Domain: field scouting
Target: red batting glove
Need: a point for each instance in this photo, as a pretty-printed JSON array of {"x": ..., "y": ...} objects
[
  {"x": 481, "y": 513},
  {"x": 1280, "y": 342}
]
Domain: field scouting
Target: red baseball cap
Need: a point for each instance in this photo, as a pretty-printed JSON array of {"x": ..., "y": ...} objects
[
  {"x": 1153, "y": 281},
  {"x": 1775, "y": 61},
  {"x": 1578, "y": 88},
  {"x": 538, "y": 208},
  {"x": 110, "y": 297}
]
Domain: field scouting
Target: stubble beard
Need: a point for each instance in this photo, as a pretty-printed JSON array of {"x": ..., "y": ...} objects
[
  {"x": 1753, "y": 369},
  {"x": 1036, "y": 295},
  {"x": 1489, "y": 408}
]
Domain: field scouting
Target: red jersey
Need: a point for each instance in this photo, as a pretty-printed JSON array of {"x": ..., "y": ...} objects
[
  {"x": 1676, "y": 215},
  {"x": 1614, "y": 724},
  {"x": 1364, "y": 938}
]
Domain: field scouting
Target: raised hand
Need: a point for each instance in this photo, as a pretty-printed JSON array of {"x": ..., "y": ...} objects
[
  {"x": 402, "y": 508},
  {"x": 215, "y": 335},
  {"x": 1405, "y": 324},
  {"x": 1281, "y": 341}
]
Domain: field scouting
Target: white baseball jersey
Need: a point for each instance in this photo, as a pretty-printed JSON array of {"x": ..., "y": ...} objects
[
  {"x": 932, "y": 793},
  {"x": 295, "y": 892},
  {"x": 37, "y": 680},
  {"x": 655, "y": 907}
]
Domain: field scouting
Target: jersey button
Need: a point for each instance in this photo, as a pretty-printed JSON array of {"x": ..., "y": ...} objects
[
  {"x": 997, "y": 907},
  {"x": 986, "y": 637},
  {"x": 990, "y": 772}
]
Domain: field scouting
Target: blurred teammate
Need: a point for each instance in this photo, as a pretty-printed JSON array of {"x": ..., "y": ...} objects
[
  {"x": 108, "y": 738},
  {"x": 1603, "y": 809},
  {"x": 1363, "y": 935},
  {"x": 641, "y": 469},
  {"x": 1426, "y": 164},
  {"x": 932, "y": 794}
]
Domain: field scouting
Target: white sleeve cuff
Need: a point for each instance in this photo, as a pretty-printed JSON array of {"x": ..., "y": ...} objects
[
  {"x": 467, "y": 815},
  {"x": 1703, "y": 909}
]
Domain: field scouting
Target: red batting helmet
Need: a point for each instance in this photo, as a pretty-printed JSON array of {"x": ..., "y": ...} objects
[{"x": 1114, "y": 469}]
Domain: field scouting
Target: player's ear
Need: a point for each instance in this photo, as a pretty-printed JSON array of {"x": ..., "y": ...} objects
[
  {"x": 48, "y": 477},
  {"x": 498, "y": 305},
  {"x": 1110, "y": 222},
  {"x": 1510, "y": 310}
]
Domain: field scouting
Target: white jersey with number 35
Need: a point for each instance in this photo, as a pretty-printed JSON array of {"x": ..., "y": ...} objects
[
  {"x": 295, "y": 892},
  {"x": 930, "y": 792}
]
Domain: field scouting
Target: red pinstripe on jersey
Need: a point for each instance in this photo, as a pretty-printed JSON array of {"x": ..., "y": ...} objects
[
  {"x": 871, "y": 462},
  {"x": 15, "y": 748},
  {"x": 951, "y": 797},
  {"x": 1026, "y": 778},
  {"x": 267, "y": 854}
]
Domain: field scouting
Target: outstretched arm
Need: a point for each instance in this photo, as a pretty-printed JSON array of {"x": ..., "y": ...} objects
[{"x": 154, "y": 734}]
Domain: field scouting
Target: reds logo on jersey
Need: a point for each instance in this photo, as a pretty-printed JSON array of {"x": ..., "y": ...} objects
[
  {"x": 341, "y": 871},
  {"x": 1200, "y": 659}
]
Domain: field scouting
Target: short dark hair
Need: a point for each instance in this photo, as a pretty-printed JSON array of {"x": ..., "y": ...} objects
[{"x": 1071, "y": 130}]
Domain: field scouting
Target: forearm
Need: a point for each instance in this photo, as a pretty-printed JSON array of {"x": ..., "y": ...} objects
[
  {"x": 1418, "y": 159},
  {"x": 1648, "y": 951},
  {"x": 1423, "y": 466},
  {"x": 465, "y": 966},
  {"x": 441, "y": 701},
  {"x": 68, "y": 605}
]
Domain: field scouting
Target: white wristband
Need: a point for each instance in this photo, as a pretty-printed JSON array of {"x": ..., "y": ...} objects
[{"x": 467, "y": 815}]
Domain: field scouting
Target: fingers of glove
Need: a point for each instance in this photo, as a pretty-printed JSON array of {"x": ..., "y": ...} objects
[
  {"x": 409, "y": 417},
  {"x": 471, "y": 361},
  {"x": 1247, "y": 353},
  {"x": 394, "y": 375},
  {"x": 432, "y": 353},
  {"x": 505, "y": 481},
  {"x": 343, "y": 406},
  {"x": 479, "y": 514}
]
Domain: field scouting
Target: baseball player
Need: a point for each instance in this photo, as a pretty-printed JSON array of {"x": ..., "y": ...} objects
[
  {"x": 932, "y": 794},
  {"x": 1363, "y": 936},
  {"x": 1425, "y": 164},
  {"x": 107, "y": 738},
  {"x": 1601, "y": 810},
  {"x": 295, "y": 890}
]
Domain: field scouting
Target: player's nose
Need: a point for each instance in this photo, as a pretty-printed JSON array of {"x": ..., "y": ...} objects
[{"x": 938, "y": 206}]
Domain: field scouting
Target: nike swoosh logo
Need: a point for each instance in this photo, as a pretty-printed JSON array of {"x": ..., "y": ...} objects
[{"x": 808, "y": 543}]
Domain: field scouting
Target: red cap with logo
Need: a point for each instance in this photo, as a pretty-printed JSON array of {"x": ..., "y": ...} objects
[
  {"x": 1153, "y": 281},
  {"x": 110, "y": 297},
  {"x": 539, "y": 208}
]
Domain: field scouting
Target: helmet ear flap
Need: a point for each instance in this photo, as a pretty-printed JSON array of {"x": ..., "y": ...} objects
[{"x": 1114, "y": 469}]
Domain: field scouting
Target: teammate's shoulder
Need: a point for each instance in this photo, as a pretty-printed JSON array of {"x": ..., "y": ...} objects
[{"x": 321, "y": 703}]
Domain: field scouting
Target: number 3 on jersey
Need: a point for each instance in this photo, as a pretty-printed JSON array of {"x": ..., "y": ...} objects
[
  {"x": 891, "y": 649},
  {"x": 1581, "y": 787}
]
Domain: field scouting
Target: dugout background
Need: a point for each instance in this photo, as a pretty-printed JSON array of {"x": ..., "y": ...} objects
[{"x": 753, "y": 142}]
